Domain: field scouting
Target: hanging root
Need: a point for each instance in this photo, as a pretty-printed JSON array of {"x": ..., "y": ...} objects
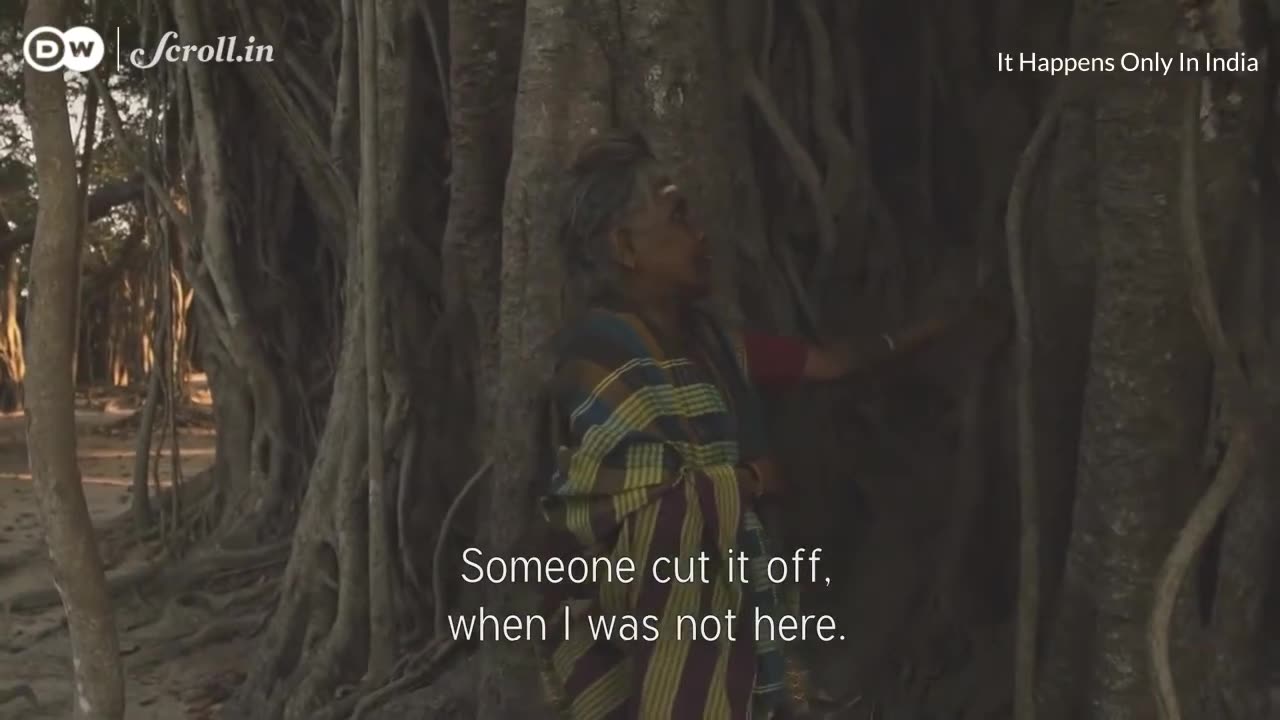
[
  {"x": 407, "y": 462},
  {"x": 23, "y": 690},
  {"x": 1240, "y": 414},
  {"x": 209, "y": 634},
  {"x": 174, "y": 578},
  {"x": 1192, "y": 536},
  {"x": 415, "y": 674},
  {"x": 410, "y": 673},
  {"x": 437, "y": 562},
  {"x": 802, "y": 162},
  {"x": 343, "y": 629},
  {"x": 840, "y": 163},
  {"x": 178, "y": 610},
  {"x": 1029, "y": 506},
  {"x": 46, "y": 597}
]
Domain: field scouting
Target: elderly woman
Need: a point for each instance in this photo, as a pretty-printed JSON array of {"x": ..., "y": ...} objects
[{"x": 663, "y": 455}]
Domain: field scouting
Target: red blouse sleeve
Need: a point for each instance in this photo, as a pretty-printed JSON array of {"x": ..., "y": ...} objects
[{"x": 774, "y": 359}]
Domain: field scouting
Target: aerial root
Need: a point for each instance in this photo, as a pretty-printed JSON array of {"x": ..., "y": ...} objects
[
  {"x": 45, "y": 597},
  {"x": 246, "y": 595},
  {"x": 210, "y": 603},
  {"x": 23, "y": 690},
  {"x": 411, "y": 672},
  {"x": 180, "y": 611},
  {"x": 175, "y": 579},
  {"x": 38, "y": 636},
  {"x": 199, "y": 503},
  {"x": 192, "y": 608},
  {"x": 212, "y": 633},
  {"x": 415, "y": 672}
]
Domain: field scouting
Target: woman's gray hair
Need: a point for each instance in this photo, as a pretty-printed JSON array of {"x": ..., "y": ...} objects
[{"x": 613, "y": 176}]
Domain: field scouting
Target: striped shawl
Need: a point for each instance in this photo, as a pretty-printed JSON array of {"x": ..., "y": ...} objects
[{"x": 649, "y": 472}]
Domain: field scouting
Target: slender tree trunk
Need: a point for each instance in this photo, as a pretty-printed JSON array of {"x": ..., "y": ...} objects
[
  {"x": 82, "y": 233},
  {"x": 11, "y": 338},
  {"x": 51, "y": 429},
  {"x": 10, "y": 333},
  {"x": 140, "y": 498},
  {"x": 1029, "y": 566},
  {"x": 381, "y": 620}
]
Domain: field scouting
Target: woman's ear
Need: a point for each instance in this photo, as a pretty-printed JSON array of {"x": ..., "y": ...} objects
[{"x": 624, "y": 249}]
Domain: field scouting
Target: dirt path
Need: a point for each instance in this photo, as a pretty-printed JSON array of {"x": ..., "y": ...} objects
[{"x": 33, "y": 646}]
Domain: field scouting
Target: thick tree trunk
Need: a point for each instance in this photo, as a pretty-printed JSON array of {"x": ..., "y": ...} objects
[
  {"x": 563, "y": 99},
  {"x": 1145, "y": 399},
  {"x": 678, "y": 78},
  {"x": 51, "y": 428},
  {"x": 484, "y": 59},
  {"x": 663, "y": 72},
  {"x": 320, "y": 635},
  {"x": 324, "y": 592}
]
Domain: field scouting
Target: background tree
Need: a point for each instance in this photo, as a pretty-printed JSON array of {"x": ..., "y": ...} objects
[{"x": 51, "y": 435}]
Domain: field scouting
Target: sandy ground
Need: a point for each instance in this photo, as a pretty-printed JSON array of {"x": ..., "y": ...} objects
[{"x": 33, "y": 646}]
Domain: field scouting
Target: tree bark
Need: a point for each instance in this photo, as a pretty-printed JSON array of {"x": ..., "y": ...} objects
[
  {"x": 1145, "y": 398},
  {"x": 563, "y": 99},
  {"x": 677, "y": 79},
  {"x": 51, "y": 428},
  {"x": 484, "y": 61}
]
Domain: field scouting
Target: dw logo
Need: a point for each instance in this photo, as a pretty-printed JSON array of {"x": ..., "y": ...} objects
[{"x": 47, "y": 49}]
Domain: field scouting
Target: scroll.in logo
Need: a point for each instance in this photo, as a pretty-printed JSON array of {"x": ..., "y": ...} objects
[{"x": 47, "y": 49}]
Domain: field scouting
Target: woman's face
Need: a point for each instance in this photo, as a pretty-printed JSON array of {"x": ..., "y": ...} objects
[{"x": 667, "y": 254}]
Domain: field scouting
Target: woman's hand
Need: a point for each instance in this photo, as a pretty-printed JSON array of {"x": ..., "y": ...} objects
[
  {"x": 986, "y": 313},
  {"x": 847, "y": 357},
  {"x": 827, "y": 363},
  {"x": 759, "y": 478}
]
